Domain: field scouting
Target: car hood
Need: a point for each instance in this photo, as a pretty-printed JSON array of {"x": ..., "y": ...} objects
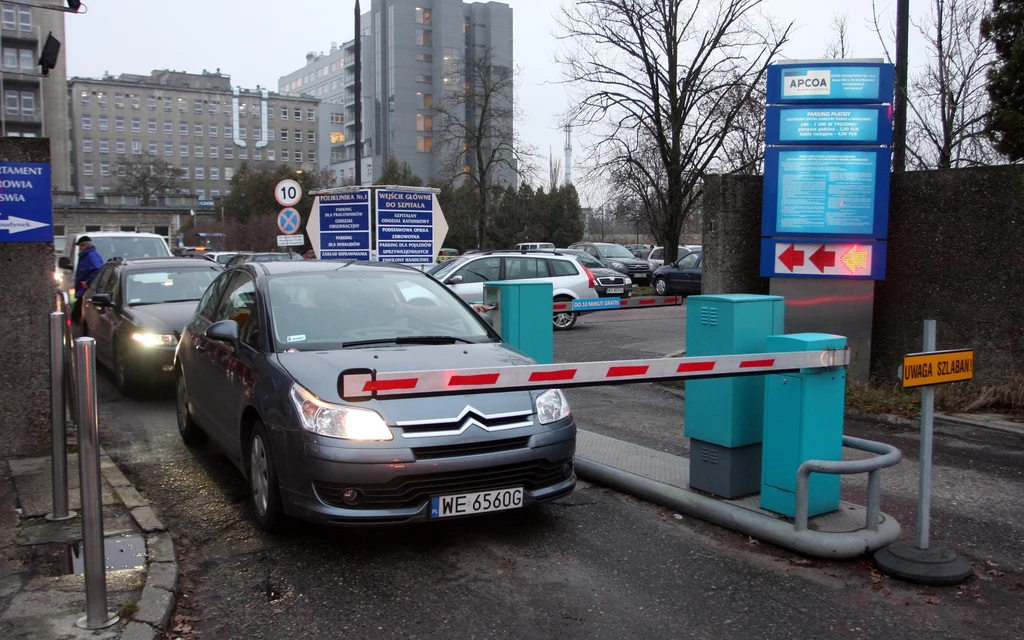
[
  {"x": 626, "y": 261},
  {"x": 605, "y": 272},
  {"x": 163, "y": 318},
  {"x": 318, "y": 371}
]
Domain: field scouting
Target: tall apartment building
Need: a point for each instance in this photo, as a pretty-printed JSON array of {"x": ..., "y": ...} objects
[
  {"x": 194, "y": 121},
  {"x": 35, "y": 106},
  {"x": 412, "y": 53}
]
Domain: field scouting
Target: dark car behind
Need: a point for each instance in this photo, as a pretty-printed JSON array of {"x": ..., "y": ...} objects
[{"x": 617, "y": 257}]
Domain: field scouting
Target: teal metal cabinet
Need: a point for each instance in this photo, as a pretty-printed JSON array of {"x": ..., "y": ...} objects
[
  {"x": 725, "y": 416},
  {"x": 803, "y": 420},
  {"x": 521, "y": 315}
]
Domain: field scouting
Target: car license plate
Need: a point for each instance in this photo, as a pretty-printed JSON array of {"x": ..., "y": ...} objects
[
  {"x": 482, "y": 502},
  {"x": 613, "y": 290}
]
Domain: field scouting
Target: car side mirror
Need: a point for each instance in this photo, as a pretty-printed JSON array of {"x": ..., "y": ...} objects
[
  {"x": 223, "y": 331},
  {"x": 101, "y": 300},
  {"x": 454, "y": 280},
  {"x": 64, "y": 262}
]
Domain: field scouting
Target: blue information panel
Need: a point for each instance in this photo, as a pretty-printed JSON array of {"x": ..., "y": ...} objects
[
  {"x": 345, "y": 226},
  {"x": 405, "y": 226},
  {"x": 830, "y": 82},
  {"x": 838, "y": 124},
  {"x": 26, "y": 212},
  {"x": 840, "y": 191}
]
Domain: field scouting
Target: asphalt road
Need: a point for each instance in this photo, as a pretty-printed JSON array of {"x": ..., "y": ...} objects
[{"x": 595, "y": 565}]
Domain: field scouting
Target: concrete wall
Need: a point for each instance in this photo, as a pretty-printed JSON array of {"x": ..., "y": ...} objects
[
  {"x": 955, "y": 242},
  {"x": 27, "y": 287}
]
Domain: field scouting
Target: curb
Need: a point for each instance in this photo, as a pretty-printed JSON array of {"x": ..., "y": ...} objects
[
  {"x": 941, "y": 420},
  {"x": 160, "y": 590}
]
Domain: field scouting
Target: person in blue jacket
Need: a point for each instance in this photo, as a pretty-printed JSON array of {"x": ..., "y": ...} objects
[{"x": 89, "y": 264}]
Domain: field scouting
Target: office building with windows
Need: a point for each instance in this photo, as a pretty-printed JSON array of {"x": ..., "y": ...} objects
[
  {"x": 412, "y": 54},
  {"x": 195, "y": 122},
  {"x": 35, "y": 106}
]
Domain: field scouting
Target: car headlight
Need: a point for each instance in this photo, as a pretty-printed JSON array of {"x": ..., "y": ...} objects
[
  {"x": 155, "y": 339},
  {"x": 336, "y": 421},
  {"x": 552, "y": 406},
  {"x": 618, "y": 265}
]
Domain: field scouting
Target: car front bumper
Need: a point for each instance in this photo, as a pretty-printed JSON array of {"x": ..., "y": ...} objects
[{"x": 152, "y": 364}]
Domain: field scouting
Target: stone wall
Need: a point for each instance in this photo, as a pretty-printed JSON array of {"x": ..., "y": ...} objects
[
  {"x": 732, "y": 235},
  {"x": 27, "y": 288}
]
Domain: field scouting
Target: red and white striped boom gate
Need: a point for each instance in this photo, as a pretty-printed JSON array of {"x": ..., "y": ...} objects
[
  {"x": 363, "y": 384},
  {"x": 611, "y": 304}
]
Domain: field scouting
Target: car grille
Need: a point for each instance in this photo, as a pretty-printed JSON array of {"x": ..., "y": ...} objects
[
  {"x": 470, "y": 449},
  {"x": 457, "y": 425},
  {"x": 639, "y": 267},
  {"x": 413, "y": 490},
  {"x": 610, "y": 281}
]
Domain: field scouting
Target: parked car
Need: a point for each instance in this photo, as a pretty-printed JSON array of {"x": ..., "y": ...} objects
[
  {"x": 639, "y": 250},
  {"x": 534, "y": 246},
  {"x": 618, "y": 257},
  {"x": 610, "y": 283},
  {"x": 251, "y": 256},
  {"x": 135, "y": 311},
  {"x": 569, "y": 279},
  {"x": 257, "y": 372},
  {"x": 110, "y": 244},
  {"x": 445, "y": 255},
  {"x": 220, "y": 257},
  {"x": 682, "y": 276},
  {"x": 657, "y": 256}
]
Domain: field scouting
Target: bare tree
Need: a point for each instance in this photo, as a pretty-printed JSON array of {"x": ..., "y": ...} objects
[
  {"x": 554, "y": 171},
  {"x": 474, "y": 128},
  {"x": 839, "y": 45},
  {"x": 947, "y": 101},
  {"x": 148, "y": 176},
  {"x": 656, "y": 83},
  {"x": 743, "y": 146}
]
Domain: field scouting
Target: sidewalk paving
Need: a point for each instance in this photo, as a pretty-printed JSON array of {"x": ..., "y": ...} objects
[{"x": 41, "y": 596}]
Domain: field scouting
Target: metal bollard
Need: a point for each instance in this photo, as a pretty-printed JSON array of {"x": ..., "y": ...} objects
[
  {"x": 97, "y": 616},
  {"x": 58, "y": 422}
]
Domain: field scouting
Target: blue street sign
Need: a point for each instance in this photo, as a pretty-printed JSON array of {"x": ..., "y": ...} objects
[
  {"x": 841, "y": 191},
  {"x": 205, "y": 204},
  {"x": 827, "y": 82},
  {"x": 26, "y": 212},
  {"x": 288, "y": 221},
  {"x": 345, "y": 226},
  {"x": 405, "y": 226},
  {"x": 599, "y": 303},
  {"x": 832, "y": 124}
]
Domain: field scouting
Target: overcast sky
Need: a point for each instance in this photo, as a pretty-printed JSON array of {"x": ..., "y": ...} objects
[{"x": 257, "y": 41}]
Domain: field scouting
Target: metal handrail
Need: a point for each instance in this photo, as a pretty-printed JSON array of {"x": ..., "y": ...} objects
[{"x": 888, "y": 456}]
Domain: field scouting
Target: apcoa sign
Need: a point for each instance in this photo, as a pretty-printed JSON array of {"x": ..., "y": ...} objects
[{"x": 937, "y": 367}]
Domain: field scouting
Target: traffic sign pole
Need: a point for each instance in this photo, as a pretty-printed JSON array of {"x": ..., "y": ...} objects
[{"x": 924, "y": 485}]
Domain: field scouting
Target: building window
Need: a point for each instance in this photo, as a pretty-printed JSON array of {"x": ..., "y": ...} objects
[
  {"x": 27, "y": 59},
  {"x": 242, "y": 132},
  {"x": 10, "y": 18},
  {"x": 167, "y": 104},
  {"x": 213, "y": 107},
  {"x": 200, "y": 193},
  {"x": 425, "y": 37},
  {"x": 104, "y": 126},
  {"x": 137, "y": 147},
  {"x": 424, "y": 57},
  {"x": 104, "y": 146},
  {"x": 151, "y": 126},
  {"x": 198, "y": 152},
  {"x": 284, "y": 135},
  {"x": 101, "y": 99},
  {"x": 119, "y": 100},
  {"x": 86, "y": 120},
  {"x": 284, "y": 155},
  {"x": 422, "y": 16},
  {"x": 184, "y": 171},
  {"x": 200, "y": 173},
  {"x": 89, "y": 192},
  {"x": 310, "y": 136},
  {"x": 424, "y": 123},
  {"x": 182, "y": 105},
  {"x": 298, "y": 135},
  {"x": 425, "y": 79},
  {"x": 256, "y": 133},
  {"x": 298, "y": 113},
  {"x": 10, "y": 58},
  {"x": 127, "y": 228},
  {"x": 136, "y": 125},
  {"x": 151, "y": 103},
  {"x": 86, "y": 145},
  {"x": 25, "y": 18},
  {"x": 122, "y": 170},
  {"x": 214, "y": 173},
  {"x": 337, "y": 118},
  {"x": 270, "y": 155},
  {"x": 182, "y": 128},
  {"x": 163, "y": 230},
  {"x": 310, "y": 115},
  {"x": 168, "y": 148},
  {"x": 168, "y": 127},
  {"x": 28, "y": 103},
  {"x": 104, "y": 168},
  {"x": 227, "y": 131},
  {"x": 257, "y": 154},
  {"x": 214, "y": 132},
  {"x": 337, "y": 137},
  {"x": 229, "y": 173},
  {"x": 152, "y": 148},
  {"x": 119, "y": 147},
  {"x": 229, "y": 153},
  {"x": 197, "y": 106},
  {"x": 424, "y": 144},
  {"x": 119, "y": 123},
  {"x": 270, "y": 135},
  {"x": 243, "y": 154},
  {"x": 135, "y": 102},
  {"x": 311, "y": 157},
  {"x": 214, "y": 151},
  {"x": 86, "y": 168},
  {"x": 183, "y": 150},
  {"x": 214, "y": 193},
  {"x": 59, "y": 241},
  {"x": 284, "y": 113},
  {"x": 86, "y": 98},
  {"x": 198, "y": 130}
]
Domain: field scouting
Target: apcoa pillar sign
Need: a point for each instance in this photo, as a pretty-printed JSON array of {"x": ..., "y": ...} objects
[{"x": 26, "y": 214}]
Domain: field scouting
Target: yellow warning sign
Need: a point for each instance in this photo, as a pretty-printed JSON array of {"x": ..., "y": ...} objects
[{"x": 937, "y": 367}]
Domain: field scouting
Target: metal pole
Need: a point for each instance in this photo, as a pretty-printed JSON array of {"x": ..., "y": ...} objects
[
  {"x": 899, "y": 124},
  {"x": 924, "y": 506},
  {"x": 58, "y": 421},
  {"x": 97, "y": 616},
  {"x": 359, "y": 98}
]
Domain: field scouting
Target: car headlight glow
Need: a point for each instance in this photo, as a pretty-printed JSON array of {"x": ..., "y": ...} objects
[
  {"x": 155, "y": 340},
  {"x": 337, "y": 421},
  {"x": 552, "y": 406},
  {"x": 618, "y": 265}
]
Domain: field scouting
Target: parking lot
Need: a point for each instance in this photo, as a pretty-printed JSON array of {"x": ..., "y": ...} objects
[{"x": 597, "y": 564}]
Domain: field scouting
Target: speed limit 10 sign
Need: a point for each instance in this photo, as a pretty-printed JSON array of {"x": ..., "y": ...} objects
[{"x": 288, "y": 193}]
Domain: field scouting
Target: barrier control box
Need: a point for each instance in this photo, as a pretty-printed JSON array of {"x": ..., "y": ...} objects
[{"x": 521, "y": 314}]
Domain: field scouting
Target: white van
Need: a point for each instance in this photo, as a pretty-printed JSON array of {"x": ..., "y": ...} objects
[
  {"x": 534, "y": 246},
  {"x": 110, "y": 244}
]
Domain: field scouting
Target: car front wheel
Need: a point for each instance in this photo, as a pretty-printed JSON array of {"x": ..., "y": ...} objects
[
  {"x": 124, "y": 376},
  {"x": 660, "y": 286},
  {"x": 266, "y": 494}
]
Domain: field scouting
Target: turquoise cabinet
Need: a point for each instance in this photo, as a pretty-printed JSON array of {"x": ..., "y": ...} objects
[{"x": 521, "y": 315}]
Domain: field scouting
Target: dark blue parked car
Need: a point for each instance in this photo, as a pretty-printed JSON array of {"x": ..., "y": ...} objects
[{"x": 683, "y": 276}]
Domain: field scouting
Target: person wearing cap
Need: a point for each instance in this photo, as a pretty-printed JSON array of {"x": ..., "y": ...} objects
[{"x": 89, "y": 264}]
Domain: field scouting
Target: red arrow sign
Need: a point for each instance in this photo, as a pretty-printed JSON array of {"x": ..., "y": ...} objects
[
  {"x": 822, "y": 259},
  {"x": 792, "y": 258}
]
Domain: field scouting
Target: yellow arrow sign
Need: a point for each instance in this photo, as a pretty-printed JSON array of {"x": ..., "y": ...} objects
[
  {"x": 855, "y": 259},
  {"x": 937, "y": 367}
]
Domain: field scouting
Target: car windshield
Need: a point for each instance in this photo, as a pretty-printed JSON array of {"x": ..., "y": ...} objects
[
  {"x": 446, "y": 268},
  {"x": 347, "y": 309},
  {"x": 223, "y": 258},
  {"x": 130, "y": 247},
  {"x": 588, "y": 260},
  {"x": 613, "y": 251},
  {"x": 272, "y": 257},
  {"x": 158, "y": 286}
]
